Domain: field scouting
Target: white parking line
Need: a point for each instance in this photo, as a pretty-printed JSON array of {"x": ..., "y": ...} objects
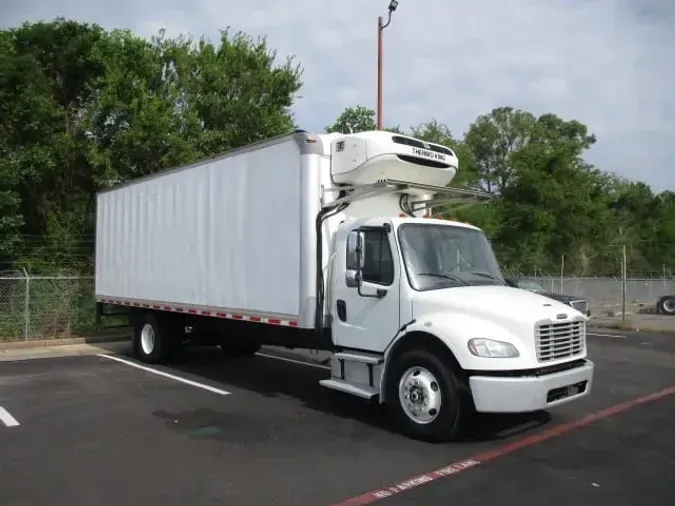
[
  {"x": 7, "y": 419},
  {"x": 595, "y": 334},
  {"x": 292, "y": 361},
  {"x": 167, "y": 375}
]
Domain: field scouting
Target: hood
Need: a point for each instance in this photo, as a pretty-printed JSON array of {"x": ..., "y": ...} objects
[{"x": 515, "y": 309}]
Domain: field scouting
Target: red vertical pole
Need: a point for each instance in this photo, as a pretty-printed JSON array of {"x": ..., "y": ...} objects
[{"x": 379, "y": 72}]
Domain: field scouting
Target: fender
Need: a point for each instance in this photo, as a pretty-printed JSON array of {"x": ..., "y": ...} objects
[{"x": 454, "y": 332}]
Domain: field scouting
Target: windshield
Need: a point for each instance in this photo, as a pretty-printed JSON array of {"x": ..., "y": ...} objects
[
  {"x": 531, "y": 286},
  {"x": 444, "y": 256}
]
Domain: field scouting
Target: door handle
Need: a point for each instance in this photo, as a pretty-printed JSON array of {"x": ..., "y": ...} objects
[{"x": 342, "y": 310}]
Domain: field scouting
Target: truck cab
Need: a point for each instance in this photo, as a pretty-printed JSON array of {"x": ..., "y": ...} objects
[{"x": 422, "y": 320}]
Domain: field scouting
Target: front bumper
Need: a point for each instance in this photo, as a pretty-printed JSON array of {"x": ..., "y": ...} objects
[{"x": 494, "y": 394}]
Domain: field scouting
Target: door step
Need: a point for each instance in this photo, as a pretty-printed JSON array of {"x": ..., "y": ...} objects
[
  {"x": 362, "y": 391},
  {"x": 364, "y": 358}
]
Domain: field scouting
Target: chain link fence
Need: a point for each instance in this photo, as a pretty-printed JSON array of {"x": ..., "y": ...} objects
[
  {"x": 607, "y": 291},
  {"x": 53, "y": 307},
  {"x": 44, "y": 307}
]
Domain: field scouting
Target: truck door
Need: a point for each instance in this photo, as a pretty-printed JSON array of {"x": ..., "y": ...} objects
[{"x": 365, "y": 302}]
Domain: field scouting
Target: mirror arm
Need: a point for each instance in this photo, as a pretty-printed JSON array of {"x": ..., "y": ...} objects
[{"x": 381, "y": 292}]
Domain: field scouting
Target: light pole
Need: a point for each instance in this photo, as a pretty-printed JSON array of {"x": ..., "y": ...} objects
[{"x": 380, "y": 28}]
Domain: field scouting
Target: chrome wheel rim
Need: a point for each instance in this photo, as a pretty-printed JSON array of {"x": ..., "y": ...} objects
[
  {"x": 147, "y": 339},
  {"x": 419, "y": 393}
]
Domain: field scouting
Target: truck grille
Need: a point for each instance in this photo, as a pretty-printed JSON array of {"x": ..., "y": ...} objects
[{"x": 559, "y": 340}]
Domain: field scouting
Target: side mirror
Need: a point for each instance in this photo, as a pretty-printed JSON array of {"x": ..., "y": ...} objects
[
  {"x": 352, "y": 279},
  {"x": 360, "y": 250}
]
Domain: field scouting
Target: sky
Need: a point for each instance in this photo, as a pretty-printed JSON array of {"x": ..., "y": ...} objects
[{"x": 607, "y": 63}]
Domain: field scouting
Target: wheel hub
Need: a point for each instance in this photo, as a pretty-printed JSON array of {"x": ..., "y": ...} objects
[
  {"x": 420, "y": 395},
  {"x": 147, "y": 339}
]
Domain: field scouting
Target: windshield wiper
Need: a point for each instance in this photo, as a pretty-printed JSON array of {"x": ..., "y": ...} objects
[
  {"x": 451, "y": 277},
  {"x": 486, "y": 275}
]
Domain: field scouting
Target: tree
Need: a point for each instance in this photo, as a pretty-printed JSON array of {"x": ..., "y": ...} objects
[
  {"x": 356, "y": 119},
  {"x": 82, "y": 108},
  {"x": 547, "y": 201},
  {"x": 10, "y": 178},
  {"x": 353, "y": 120},
  {"x": 550, "y": 208},
  {"x": 493, "y": 138},
  {"x": 47, "y": 75}
]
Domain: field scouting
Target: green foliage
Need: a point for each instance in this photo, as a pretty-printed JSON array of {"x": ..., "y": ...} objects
[
  {"x": 547, "y": 201},
  {"x": 357, "y": 119},
  {"x": 354, "y": 119},
  {"x": 82, "y": 109}
]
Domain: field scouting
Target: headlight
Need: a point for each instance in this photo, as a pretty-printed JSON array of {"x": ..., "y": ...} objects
[{"x": 488, "y": 348}]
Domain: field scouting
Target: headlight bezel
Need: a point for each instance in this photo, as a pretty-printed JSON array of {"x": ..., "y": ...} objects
[{"x": 483, "y": 347}]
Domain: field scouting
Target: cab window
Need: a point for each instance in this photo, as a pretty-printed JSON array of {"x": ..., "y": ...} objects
[{"x": 378, "y": 261}]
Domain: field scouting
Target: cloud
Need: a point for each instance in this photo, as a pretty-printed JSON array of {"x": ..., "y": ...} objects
[{"x": 606, "y": 63}]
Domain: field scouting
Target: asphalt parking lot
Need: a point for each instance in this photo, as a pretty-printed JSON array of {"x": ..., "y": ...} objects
[{"x": 260, "y": 431}]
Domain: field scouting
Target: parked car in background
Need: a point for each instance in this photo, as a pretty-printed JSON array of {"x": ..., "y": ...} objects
[
  {"x": 579, "y": 303},
  {"x": 666, "y": 305}
]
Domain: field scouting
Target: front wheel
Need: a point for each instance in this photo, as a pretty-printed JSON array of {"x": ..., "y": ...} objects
[{"x": 427, "y": 398}]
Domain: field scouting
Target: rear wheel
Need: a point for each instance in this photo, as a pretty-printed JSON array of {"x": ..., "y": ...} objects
[
  {"x": 427, "y": 397},
  {"x": 154, "y": 340}
]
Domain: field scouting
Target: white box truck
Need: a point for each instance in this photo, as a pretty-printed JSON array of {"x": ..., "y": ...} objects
[{"x": 325, "y": 241}]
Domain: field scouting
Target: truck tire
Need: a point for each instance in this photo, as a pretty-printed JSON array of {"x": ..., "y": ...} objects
[
  {"x": 427, "y": 398},
  {"x": 153, "y": 341},
  {"x": 666, "y": 305}
]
